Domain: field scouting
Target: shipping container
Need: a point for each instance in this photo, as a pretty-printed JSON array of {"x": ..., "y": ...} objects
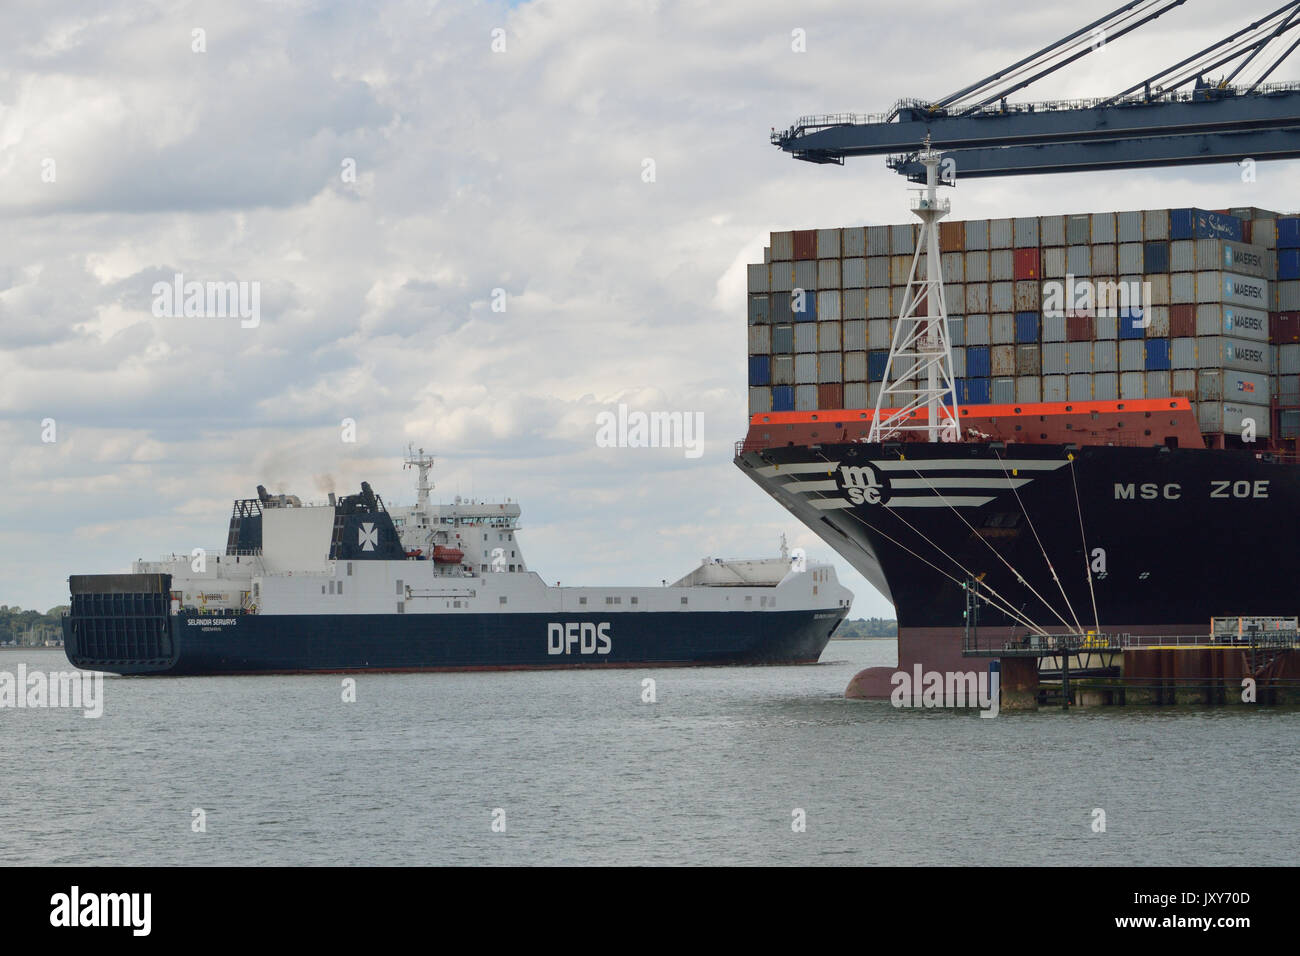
[
  {"x": 1105, "y": 327},
  {"x": 828, "y": 273},
  {"x": 758, "y": 278},
  {"x": 853, "y": 274},
  {"x": 902, "y": 240},
  {"x": 1182, "y": 255},
  {"x": 1105, "y": 261},
  {"x": 1182, "y": 288},
  {"x": 1078, "y": 328},
  {"x": 782, "y": 279},
  {"x": 1003, "y": 360},
  {"x": 830, "y": 396},
  {"x": 1051, "y": 230},
  {"x": 1105, "y": 356},
  {"x": 1182, "y": 320},
  {"x": 1129, "y": 226},
  {"x": 1288, "y": 359},
  {"x": 828, "y": 336},
  {"x": 957, "y": 329},
  {"x": 977, "y": 267},
  {"x": 1078, "y": 387},
  {"x": 1027, "y": 296},
  {"x": 954, "y": 267},
  {"x": 1237, "y": 258},
  {"x": 1002, "y": 265},
  {"x": 877, "y": 304},
  {"x": 1288, "y": 232},
  {"x": 803, "y": 305},
  {"x": 805, "y": 338},
  {"x": 900, "y": 268},
  {"x": 805, "y": 274},
  {"x": 760, "y": 401},
  {"x": 1055, "y": 359},
  {"x": 958, "y": 362},
  {"x": 1105, "y": 387},
  {"x": 878, "y": 332},
  {"x": 805, "y": 368},
  {"x": 760, "y": 343},
  {"x": 1053, "y": 328},
  {"x": 855, "y": 366},
  {"x": 1027, "y": 326},
  {"x": 783, "y": 398},
  {"x": 1232, "y": 320},
  {"x": 855, "y": 396},
  {"x": 1130, "y": 258},
  {"x": 977, "y": 330},
  {"x": 1132, "y": 356},
  {"x": 760, "y": 311},
  {"x": 877, "y": 240},
  {"x": 1182, "y": 353},
  {"x": 1078, "y": 261},
  {"x": 1155, "y": 257},
  {"x": 1289, "y": 424},
  {"x": 1103, "y": 228},
  {"x": 1132, "y": 385},
  {"x": 1003, "y": 391},
  {"x": 877, "y": 273},
  {"x": 805, "y": 398},
  {"x": 828, "y": 243},
  {"x": 855, "y": 302},
  {"x": 853, "y": 242},
  {"x": 1078, "y": 357},
  {"x": 1025, "y": 264},
  {"x": 952, "y": 236},
  {"x": 1202, "y": 224},
  {"x": 1284, "y": 326},
  {"x": 828, "y": 306},
  {"x": 1157, "y": 355},
  {"x": 805, "y": 244},
  {"x": 855, "y": 336},
  {"x": 1053, "y": 263},
  {"x": 1223, "y": 352},
  {"x": 1028, "y": 360},
  {"x": 830, "y": 367},
  {"x": 977, "y": 391},
  {"x": 760, "y": 368},
  {"x": 1226, "y": 385},
  {"x": 1157, "y": 385},
  {"x": 1183, "y": 384},
  {"x": 1002, "y": 297},
  {"x": 782, "y": 339},
  {"x": 1288, "y": 295},
  {"x": 1054, "y": 388},
  {"x": 978, "y": 361},
  {"x": 782, "y": 370},
  {"x": 977, "y": 234},
  {"x": 782, "y": 246},
  {"x": 1026, "y": 232},
  {"x": 876, "y": 362},
  {"x": 1078, "y": 231},
  {"x": 1155, "y": 224},
  {"x": 1000, "y": 234},
  {"x": 1002, "y": 328},
  {"x": 1232, "y": 418},
  {"x": 1263, "y": 233},
  {"x": 1029, "y": 388}
]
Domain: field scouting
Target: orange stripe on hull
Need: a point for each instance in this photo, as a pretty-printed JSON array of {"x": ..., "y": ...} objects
[{"x": 981, "y": 411}]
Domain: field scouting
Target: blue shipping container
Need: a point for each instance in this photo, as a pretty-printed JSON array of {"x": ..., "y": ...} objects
[
  {"x": 1203, "y": 224},
  {"x": 876, "y": 362},
  {"x": 783, "y": 398},
  {"x": 1288, "y": 264},
  {"x": 977, "y": 391},
  {"x": 1288, "y": 233},
  {"x": 978, "y": 361},
  {"x": 1130, "y": 323},
  {"x": 1157, "y": 355},
  {"x": 1155, "y": 257},
  {"x": 1027, "y": 327},
  {"x": 760, "y": 370},
  {"x": 805, "y": 310}
]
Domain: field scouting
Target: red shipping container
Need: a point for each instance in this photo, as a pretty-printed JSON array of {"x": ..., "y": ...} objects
[
  {"x": 1285, "y": 326},
  {"x": 1182, "y": 321},
  {"x": 1026, "y": 264},
  {"x": 1078, "y": 328},
  {"x": 1247, "y": 228},
  {"x": 805, "y": 244},
  {"x": 952, "y": 236},
  {"x": 830, "y": 397}
]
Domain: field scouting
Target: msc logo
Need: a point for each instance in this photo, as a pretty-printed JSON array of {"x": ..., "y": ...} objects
[
  {"x": 863, "y": 485},
  {"x": 588, "y": 638}
]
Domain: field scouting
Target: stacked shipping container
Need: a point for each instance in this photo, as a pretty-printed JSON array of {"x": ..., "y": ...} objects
[{"x": 1040, "y": 309}]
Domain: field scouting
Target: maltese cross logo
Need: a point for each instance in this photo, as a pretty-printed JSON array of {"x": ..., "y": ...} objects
[{"x": 367, "y": 537}]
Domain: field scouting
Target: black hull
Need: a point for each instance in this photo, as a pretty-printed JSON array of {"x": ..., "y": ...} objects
[
  {"x": 1177, "y": 536},
  {"x": 271, "y": 644}
]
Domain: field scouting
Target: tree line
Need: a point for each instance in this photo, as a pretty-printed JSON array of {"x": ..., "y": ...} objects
[
  {"x": 868, "y": 627},
  {"x": 30, "y": 627}
]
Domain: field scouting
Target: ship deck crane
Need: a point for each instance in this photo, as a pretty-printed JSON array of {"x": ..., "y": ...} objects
[{"x": 1173, "y": 117}]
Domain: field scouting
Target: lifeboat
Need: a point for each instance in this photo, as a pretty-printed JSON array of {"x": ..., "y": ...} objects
[
  {"x": 415, "y": 555},
  {"x": 447, "y": 555}
]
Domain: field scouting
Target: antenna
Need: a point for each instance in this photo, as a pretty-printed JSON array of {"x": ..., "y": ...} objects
[
  {"x": 918, "y": 373},
  {"x": 424, "y": 463}
]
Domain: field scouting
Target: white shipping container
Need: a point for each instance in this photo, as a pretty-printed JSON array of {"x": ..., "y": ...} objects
[
  {"x": 1002, "y": 297},
  {"x": 1231, "y": 418},
  {"x": 900, "y": 267},
  {"x": 853, "y": 242},
  {"x": 758, "y": 278},
  {"x": 1183, "y": 383},
  {"x": 873, "y": 394},
  {"x": 854, "y": 274},
  {"x": 1222, "y": 352},
  {"x": 1002, "y": 328},
  {"x": 1026, "y": 232},
  {"x": 1078, "y": 356},
  {"x": 1158, "y": 322},
  {"x": 1228, "y": 385},
  {"x": 828, "y": 243},
  {"x": 1182, "y": 353},
  {"x": 1079, "y": 388},
  {"x": 1103, "y": 227},
  {"x": 1000, "y": 234},
  {"x": 1158, "y": 283},
  {"x": 1263, "y": 232},
  {"x": 1130, "y": 227},
  {"x": 977, "y": 330},
  {"x": 855, "y": 396},
  {"x": 782, "y": 246},
  {"x": 957, "y": 330},
  {"x": 760, "y": 400},
  {"x": 877, "y": 240},
  {"x": 1078, "y": 230},
  {"x": 1157, "y": 384},
  {"x": 782, "y": 369},
  {"x": 805, "y": 337},
  {"x": 1182, "y": 288},
  {"x": 1053, "y": 263},
  {"x": 1130, "y": 258},
  {"x": 830, "y": 368},
  {"x": 1078, "y": 261},
  {"x": 855, "y": 370},
  {"x": 1105, "y": 327},
  {"x": 977, "y": 267},
  {"x": 878, "y": 334},
  {"x": 1105, "y": 387},
  {"x": 1003, "y": 360},
  {"x": 1236, "y": 257},
  {"x": 1054, "y": 388},
  {"x": 1055, "y": 358},
  {"x": 1105, "y": 261},
  {"x": 855, "y": 335},
  {"x": 1156, "y": 224},
  {"x": 902, "y": 240},
  {"x": 760, "y": 339},
  {"x": 828, "y": 273},
  {"x": 958, "y": 362},
  {"x": 1182, "y": 256},
  {"x": 782, "y": 276},
  {"x": 805, "y": 274},
  {"x": 1232, "y": 320},
  {"x": 878, "y": 304},
  {"x": 977, "y": 234},
  {"x": 1051, "y": 230},
  {"x": 977, "y": 298},
  {"x": 1002, "y": 265},
  {"x": 954, "y": 267},
  {"x": 1288, "y": 296},
  {"x": 1132, "y": 385},
  {"x": 1232, "y": 289},
  {"x": 1053, "y": 328},
  {"x": 1288, "y": 358},
  {"x": 855, "y": 303},
  {"x": 828, "y": 306},
  {"x": 805, "y": 398},
  {"x": 1105, "y": 356},
  {"x": 1132, "y": 357},
  {"x": 828, "y": 336},
  {"x": 1029, "y": 388},
  {"x": 877, "y": 272},
  {"x": 805, "y": 368}
]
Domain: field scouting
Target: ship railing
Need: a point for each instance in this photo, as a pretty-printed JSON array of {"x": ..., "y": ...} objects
[{"x": 1054, "y": 644}]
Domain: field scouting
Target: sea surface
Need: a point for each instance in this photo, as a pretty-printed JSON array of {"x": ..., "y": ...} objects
[{"x": 720, "y": 769}]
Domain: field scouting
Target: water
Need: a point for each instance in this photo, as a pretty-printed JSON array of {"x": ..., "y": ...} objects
[{"x": 586, "y": 773}]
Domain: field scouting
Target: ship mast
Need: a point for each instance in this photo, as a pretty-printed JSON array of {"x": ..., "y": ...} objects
[
  {"x": 918, "y": 373},
  {"x": 424, "y": 463}
]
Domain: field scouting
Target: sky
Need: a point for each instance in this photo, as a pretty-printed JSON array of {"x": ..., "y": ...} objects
[{"x": 473, "y": 227}]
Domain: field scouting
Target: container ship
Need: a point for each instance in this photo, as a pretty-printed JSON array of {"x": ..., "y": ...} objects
[
  {"x": 350, "y": 585},
  {"x": 1111, "y": 465}
]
